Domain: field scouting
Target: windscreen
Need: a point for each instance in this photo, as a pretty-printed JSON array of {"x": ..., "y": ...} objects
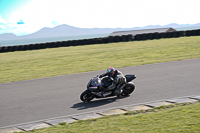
[{"x": 96, "y": 82}]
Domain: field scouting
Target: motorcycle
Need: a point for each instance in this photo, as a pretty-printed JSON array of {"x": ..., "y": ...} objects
[{"x": 96, "y": 84}]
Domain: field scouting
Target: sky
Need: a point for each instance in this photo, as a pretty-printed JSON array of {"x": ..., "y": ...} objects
[{"x": 22, "y": 17}]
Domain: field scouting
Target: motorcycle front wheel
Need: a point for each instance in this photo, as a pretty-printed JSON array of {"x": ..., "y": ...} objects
[
  {"x": 128, "y": 89},
  {"x": 86, "y": 96}
]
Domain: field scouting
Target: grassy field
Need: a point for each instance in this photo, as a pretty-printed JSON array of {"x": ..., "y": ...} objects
[
  {"x": 24, "y": 65},
  {"x": 178, "y": 118}
]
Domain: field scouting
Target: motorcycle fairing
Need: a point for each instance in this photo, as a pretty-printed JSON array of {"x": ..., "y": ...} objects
[
  {"x": 106, "y": 82},
  {"x": 130, "y": 77}
]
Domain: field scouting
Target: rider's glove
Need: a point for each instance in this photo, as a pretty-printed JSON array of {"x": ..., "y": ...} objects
[{"x": 100, "y": 76}]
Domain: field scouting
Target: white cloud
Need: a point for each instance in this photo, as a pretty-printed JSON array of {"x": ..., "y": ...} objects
[
  {"x": 55, "y": 23},
  {"x": 20, "y": 22},
  {"x": 3, "y": 24},
  {"x": 2, "y": 27},
  {"x": 18, "y": 29},
  {"x": 2, "y": 21},
  {"x": 15, "y": 28}
]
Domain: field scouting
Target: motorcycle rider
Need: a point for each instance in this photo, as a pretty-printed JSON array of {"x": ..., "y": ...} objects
[{"x": 118, "y": 80}]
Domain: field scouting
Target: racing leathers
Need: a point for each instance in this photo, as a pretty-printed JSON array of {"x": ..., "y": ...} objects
[{"x": 118, "y": 82}]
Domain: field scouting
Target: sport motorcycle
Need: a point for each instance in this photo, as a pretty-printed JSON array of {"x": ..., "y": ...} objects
[{"x": 95, "y": 85}]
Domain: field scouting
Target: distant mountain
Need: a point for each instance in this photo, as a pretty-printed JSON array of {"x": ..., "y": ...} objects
[
  {"x": 7, "y": 36},
  {"x": 66, "y": 30},
  {"x": 60, "y": 31}
]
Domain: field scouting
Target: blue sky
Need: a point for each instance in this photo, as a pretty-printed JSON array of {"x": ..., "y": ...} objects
[{"x": 27, "y": 16}]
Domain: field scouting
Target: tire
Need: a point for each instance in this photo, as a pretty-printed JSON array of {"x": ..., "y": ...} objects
[
  {"x": 86, "y": 96},
  {"x": 128, "y": 89}
]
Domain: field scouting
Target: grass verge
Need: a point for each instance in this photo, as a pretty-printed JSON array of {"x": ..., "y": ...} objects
[
  {"x": 166, "y": 119},
  {"x": 25, "y": 65}
]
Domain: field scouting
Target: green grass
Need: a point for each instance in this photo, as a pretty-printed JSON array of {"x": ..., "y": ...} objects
[
  {"x": 25, "y": 65},
  {"x": 178, "y": 118}
]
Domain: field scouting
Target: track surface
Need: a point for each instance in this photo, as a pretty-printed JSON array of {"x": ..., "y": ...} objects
[{"x": 38, "y": 99}]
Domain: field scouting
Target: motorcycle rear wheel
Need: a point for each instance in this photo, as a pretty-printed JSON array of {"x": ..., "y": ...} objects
[
  {"x": 86, "y": 96},
  {"x": 128, "y": 89}
]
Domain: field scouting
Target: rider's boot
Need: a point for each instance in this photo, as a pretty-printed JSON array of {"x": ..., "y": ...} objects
[{"x": 119, "y": 90}]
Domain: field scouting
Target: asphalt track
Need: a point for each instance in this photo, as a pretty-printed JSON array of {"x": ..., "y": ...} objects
[{"x": 38, "y": 99}]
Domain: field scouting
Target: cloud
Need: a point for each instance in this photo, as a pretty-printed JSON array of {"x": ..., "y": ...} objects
[
  {"x": 20, "y": 22},
  {"x": 2, "y": 27},
  {"x": 55, "y": 23},
  {"x": 3, "y": 24},
  {"x": 2, "y": 21},
  {"x": 17, "y": 28},
  {"x": 14, "y": 28}
]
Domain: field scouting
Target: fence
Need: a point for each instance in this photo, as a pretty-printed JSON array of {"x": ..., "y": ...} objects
[{"x": 109, "y": 39}]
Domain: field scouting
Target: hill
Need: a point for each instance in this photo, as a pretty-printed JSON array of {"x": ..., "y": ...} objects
[{"x": 67, "y": 30}]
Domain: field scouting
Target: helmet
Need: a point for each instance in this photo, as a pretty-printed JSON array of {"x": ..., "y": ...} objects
[{"x": 110, "y": 71}]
